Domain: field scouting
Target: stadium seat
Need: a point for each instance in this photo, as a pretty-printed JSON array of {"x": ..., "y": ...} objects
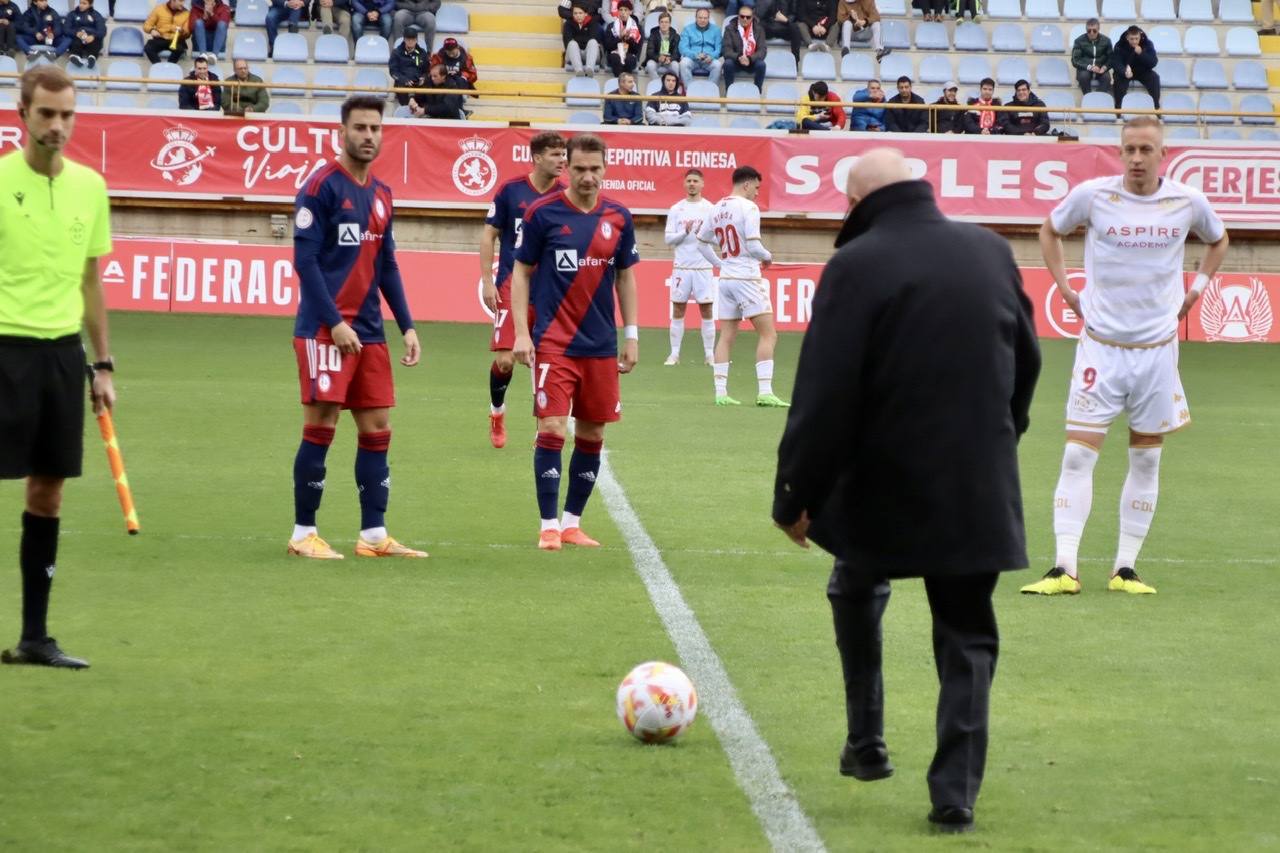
[
  {"x": 1257, "y": 104},
  {"x": 372, "y": 50},
  {"x": 931, "y": 35},
  {"x": 1195, "y": 10},
  {"x": 1048, "y": 39},
  {"x": 894, "y": 34},
  {"x": 289, "y": 108},
  {"x": 400, "y": 112},
  {"x": 700, "y": 88},
  {"x": 610, "y": 86},
  {"x": 124, "y": 68},
  {"x": 162, "y": 102},
  {"x": 1248, "y": 74},
  {"x": 1011, "y": 69},
  {"x": 1160, "y": 10},
  {"x": 125, "y": 41},
  {"x": 1235, "y": 12},
  {"x": 1115, "y": 34},
  {"x": 935, "y": 69},
  {"x": 1206, "y": 74},
  {"x": 970, "y": 36},
  {"x": 326, "y": 108},
  {"x": 249, "y": 45},
  {"x": 1058, "y": 98},
  {"x": 161, "y": 71},
  {"x": 42, "y": 59},
  {"x": 693, "y": 4},
  {"x": 331, "y": 77},
  {"x": 1007, "y": 37},
  {"x": 1042, "y": 10},
  {"x": 8, "y": 65},
  {"x": 1177, "y": 101},
  {"x": 284, "y": 76},
  {"x": 894, "y": 66},
  {"x": 858, "y": 66},
  {"x": 1004, "y": 9},
  {"x": 86, "y": 99},
  {"x": 1098, "y": 100},
  {"x": 372, "y": 78},
  {"x": 893, "y": 8},
  {"x": 815, "y": 66},
  {"x": 290, "y": 47},
  {"x": 332, "y": 48},
  {"x": 1173, "y": 74},
  {"x": 1242, "y": 41},
  {"x": 1168, "y": 41},
  {"x": 119, "y": 101},
  {"x": 1054, "y": 71},
  {"x": 1119, "y": 10},
  {"x": 252, "y": 13},
  {"x": 132, "y": 11},
  {"x": 587, "y": 86},
  {"x": 1216, "y": 102},
  {"x": 745, "y": 123},
  {"x": 1136, "y": 101},
  {"x": 972, "y": 69},
  {"x": 454, "y": 18},
  {"x": 1079, "y": 10},
  {"x": 781, "y": 65},
  {"x": 705, "y": 120},
  {"x": 584, "y": 118},
  {"x": 1265, "y": 134},
  {"x": 1224, "y": 133},
  {"x": 84, "y": 77},
  {"x": 782, "y": 92},
  {"x": 746, "y": 90},
  {"x": 652, "y": 86},
  {"x": 1202, "y": 41},
  {"x": 1182, "y": 131}
]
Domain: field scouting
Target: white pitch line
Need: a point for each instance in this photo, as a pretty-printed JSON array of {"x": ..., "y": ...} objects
[{"x": 783, "y": 820}]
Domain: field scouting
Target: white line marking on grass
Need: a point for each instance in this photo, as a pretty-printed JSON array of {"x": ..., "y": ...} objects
[{"x": 780, "y": 815}]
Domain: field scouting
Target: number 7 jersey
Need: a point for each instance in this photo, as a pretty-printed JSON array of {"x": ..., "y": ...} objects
[{"x": 733, "y": 231}]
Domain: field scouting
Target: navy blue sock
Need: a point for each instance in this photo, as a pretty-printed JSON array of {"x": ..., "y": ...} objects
[
  {"x": 37, "y": 555},
  {"x": 498, "y": 383},
  {"x": 584, "y": 466},
  {"x": 308, "y": 473},
  {"x": 373, "y": 477},
  {"x": 546, "y": 472}
]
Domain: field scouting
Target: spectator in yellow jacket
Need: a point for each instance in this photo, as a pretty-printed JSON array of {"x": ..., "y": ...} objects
[{"x": 167, "y": 28}]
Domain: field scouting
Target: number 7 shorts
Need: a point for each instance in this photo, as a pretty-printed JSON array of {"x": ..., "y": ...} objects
[
  {"x": 585, "y": 387},
  {"x": 1142, "y": 382},
  {"x": 354, "y": 381}
]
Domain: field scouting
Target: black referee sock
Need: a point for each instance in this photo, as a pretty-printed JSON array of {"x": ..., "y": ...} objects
[{"x": 37, "y": 556}]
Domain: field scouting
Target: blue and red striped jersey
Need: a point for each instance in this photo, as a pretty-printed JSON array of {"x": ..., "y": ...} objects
[
  {"x": 344, "y": 253},
  {"x": 576, "y": 256},
  {"x": 506, "y": 213}
]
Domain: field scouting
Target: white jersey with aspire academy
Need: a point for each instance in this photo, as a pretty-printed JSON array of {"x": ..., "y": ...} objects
[
  {"x": 1133, "y": 254},
  {"x": 683, "y": 236},
  {"x": 733, "y": 229}
]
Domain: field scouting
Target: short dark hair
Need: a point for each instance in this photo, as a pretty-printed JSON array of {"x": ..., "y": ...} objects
[
  {"x": 361, "y": 102},
  {"x": 664, "y": 14},
  {"x": 742, "y": 174},
  {"x": 49, "y": 77},
  {"x": 1134, "y": 29},
  {"x": 546, "y": 141},
  {"x": 587, "y": 143},
  {"x": 873, "y": 80},
  {"x": 819, "y": 88},
  {"x": 697, "y": 172},
  {"x": 987, "y": 81},
  {"x": 1020, "y": 84},
  {"x": 1092, "y": 22},
  {"x": 904, "y": 79},
  {"x": 200, "y": 57}
]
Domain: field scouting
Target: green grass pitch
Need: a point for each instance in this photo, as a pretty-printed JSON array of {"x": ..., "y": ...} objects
[{"x": 242, "y": 700}]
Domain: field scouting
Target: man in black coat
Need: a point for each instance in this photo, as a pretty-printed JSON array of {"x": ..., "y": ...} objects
[
  {"x": 900, "y": 456},
  {"x": 897, "y": 120}
]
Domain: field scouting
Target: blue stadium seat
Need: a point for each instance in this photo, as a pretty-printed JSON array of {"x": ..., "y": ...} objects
[
  {"x": 1136, "y": 101},
  {"x": 1235, "y": 11},
  {"x": 1201, "y": 40},
  {"x": 1225, "y": 133},
  {"x": 161, "y": 71},
  {"x": 1011, "y": 69},
  {"x": 372, "y": 50},
  {"x": 1098, "y": 100},
  {"x": 780, "y": 64},
  {"x": 400, "y": 112},
  {"x": 332, "y": 48},
  {"x": 694, "y": 4},
  {"x": 972, "y": 69},
  {"x": 124, "y": 68},
  {"x": 326, "y": 108},
  {"x": 1054, "y": 71},
  {"x": 700, "y": 88},
  {"x": 1195, "y": 10},
  {"x": 1004, "y": 9},
  {"x": 1048, "y": 39},
  {"x": 290, "y": 47},
  {"x": 705, "y": 120},
  {"x": 162, "y": 102},
  {"x": 858, "y": 66},
  {"x": 1119, "y": 10},
  {"x": 1048, "y": 10},
  {"x": 815, "y": 66},
  {"x": 653, "y": 85},
  {"x": 1058, "y": 98},
  {"x": 1116, "y": 33},
  {"x": 285, "y": 76},
  {"x": 894, "y": 66},
  {"x": 249, "y": 45},
  {"x": 610, "y": 86},
  {"x": 745, "y": 123},
  {"x": 289, "y": 108},
  {"x": 133, "y": 11},
  {"x": 893, "y": 8},
  {"x": 932, "y": 36},
  {"x": 1160, "y": 10},
  {"x": 970, "y": 36},
  {"x": 119, "y": 101},
  {"x": 329, "y": 75},
  {"x": 583, "y": 86},
  {"x": 252, "y": 13},
  {"x": 454, "y": 18},
  {"x": 1182, "y": 131},
  {"x": 584, "y": 118},
  {"x": 1265, "y": 134},
  {"x": 1173, "y": 74},
  {"x": 1248, "y": 74},
  {"x": 1168, "y": 41},
  {"x": 1079, "y": 10},
  {"x": 1206, "y": 74},
  {"x": 894, "y": 34},
  {"x": 1216, "y": 102},
  {"x": 1008, "y": 37},
  {"x": 1257, "y": 104},
  {"x": 782, "y": 92},
  {"x": 1176, "y": 101},
  {"x": 8, "y": 65},
  {"x": 372, "y": 78},
  {"x": 746, "y": 90},
  {"x": 125, "y": 41},
  {"x": 1243, "y": 41},
  {"x": 935, "y": 69}
]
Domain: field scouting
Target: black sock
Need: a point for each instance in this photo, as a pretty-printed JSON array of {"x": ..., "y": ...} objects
[
  {"x": 498, "y": 383},
  {"x": 37, "y": 555}
]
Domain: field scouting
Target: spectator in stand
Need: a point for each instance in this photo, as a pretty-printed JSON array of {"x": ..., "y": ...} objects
[
  {"x": 1091, "y": 56},
  {"x": 565, "y": 11},
  {"x": 984, "y": 121},
  {"x": 816, "y": 22},
  {"x": 371, "y": 13},
  {"x": 1134, "y": 58},
  {"x": 868, "y": 118},
  {"x": 934, "y": 10},
  {"x": 701, "y": 46},
  {"x": 970, "y": 6},
  {"x": 662, "y": 53},
  {"x": 238, "y": 100},
  {"x": 87, "y": 29},
  {"x": 822, "y": 111},
  {"x": 779, "y": 20},
  {"x": 419, "y": 12},
  {"x": 949, "y": 121},
  {"x": 40, "y": 32},
  {"x": 860, "y": 17},
  {"x": 444, "y": 105},
  {"x": 458, "y": 65},
  {"x": 202, "y": 96},
  {"x": 623, "y": 40},
  {"x": 1267, "y": 16},
  {"x": 10, "y": 15},
  {"x": 582, "y": 38},
  {"x": 408, "y": 64},
  {"x": 210, "y": 17},
  {"x": 334, "y": 16},
  {"x": 899, "y": 120},
  {"x": 1030, "y": 122},
  {"x": 663, "y": 111},
  {"x": 744, "y": 47},
  {"x": 289, "y": 11},
  {"x": 624, "y": 112},
  {"x": 167, "y": 26}
]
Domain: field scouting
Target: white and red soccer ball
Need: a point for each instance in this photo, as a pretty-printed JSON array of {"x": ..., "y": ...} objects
[{"x": 657, "y": 702}]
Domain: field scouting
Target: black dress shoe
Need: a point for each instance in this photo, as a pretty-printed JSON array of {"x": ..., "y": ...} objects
[
  {"x": 951, "y": 819},
  {"x": 41, "y": 653},
  {"x": 867, "y": 763}
]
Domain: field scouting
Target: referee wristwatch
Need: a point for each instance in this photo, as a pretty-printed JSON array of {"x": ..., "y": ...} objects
[{"x": 108, "y": 365}]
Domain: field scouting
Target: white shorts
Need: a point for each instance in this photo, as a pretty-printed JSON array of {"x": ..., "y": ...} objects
[
  {"x": 697, "y": 285},
  {"x": 1141, "y": 382},
  {"x": 742, "y": 298}
]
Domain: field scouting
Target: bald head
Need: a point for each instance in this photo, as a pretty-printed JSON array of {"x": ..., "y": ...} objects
[{"x": 878, "y": 168}]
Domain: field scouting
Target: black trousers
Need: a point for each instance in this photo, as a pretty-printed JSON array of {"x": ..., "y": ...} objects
[
  {"x": 1086, "y": 80},
  {"x": 965, "y": 645},
  {"x": 1149, "y": 79}
]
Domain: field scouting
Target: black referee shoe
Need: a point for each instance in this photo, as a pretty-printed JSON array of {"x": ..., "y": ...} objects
[
  {"x": 951, "y": 819},
  {"x": 42, "y": 653},
  {"x": 867, "y": 763}
]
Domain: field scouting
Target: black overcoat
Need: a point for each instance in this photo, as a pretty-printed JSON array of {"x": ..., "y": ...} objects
[{"x": 913, "y": 388}]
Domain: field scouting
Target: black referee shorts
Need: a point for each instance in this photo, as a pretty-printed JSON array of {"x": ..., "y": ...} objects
[{"x": 42, "y": 397}]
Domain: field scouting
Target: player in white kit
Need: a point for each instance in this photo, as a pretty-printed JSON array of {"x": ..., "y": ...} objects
[
  {"x": 1127, "y": 355},
  {"x": 730, "y": 239},
  {"x": 691, "y": 274}
]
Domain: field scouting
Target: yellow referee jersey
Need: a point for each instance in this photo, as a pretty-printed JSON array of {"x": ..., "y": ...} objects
[{"x": 48, "y": 228}]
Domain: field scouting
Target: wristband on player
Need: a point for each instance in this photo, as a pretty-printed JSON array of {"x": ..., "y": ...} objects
[
  {"x": 631, "y": 333},
  {"x": 1201, "y": 282}
]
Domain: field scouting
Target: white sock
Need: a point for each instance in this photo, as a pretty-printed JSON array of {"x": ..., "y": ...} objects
[
  {"x": 1072, "y": 501},
  {"x": 1137, "y": 503},
  {"x": 550, "y": 524},
  {"x": 764, "y": 376},
  {"x": 497, "y": 410},
  {"x": 374, "y": 534},
  {"x": 301, "y": 531},
  {"x": 709, "y": 337},
  {"x": 677, "y": 335},
  {"x": 720, "y": 372},
  {"x": 570, "y": 520}
]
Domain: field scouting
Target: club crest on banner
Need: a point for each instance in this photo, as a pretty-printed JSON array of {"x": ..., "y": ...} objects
[
  {"x": 1235, "y": 312},
  {"x": 474, "y": 172},
  {"x": 178, "y": 160}
]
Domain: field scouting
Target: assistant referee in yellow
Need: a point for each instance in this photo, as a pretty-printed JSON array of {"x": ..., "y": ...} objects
[{"x": 54, "y": 224}]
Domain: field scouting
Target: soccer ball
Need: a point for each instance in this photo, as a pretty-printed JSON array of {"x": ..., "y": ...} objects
[{"x": 657, "y": 702}]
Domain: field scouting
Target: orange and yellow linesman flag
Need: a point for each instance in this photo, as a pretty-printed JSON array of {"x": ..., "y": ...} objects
[{"x": 108, "y": 430}]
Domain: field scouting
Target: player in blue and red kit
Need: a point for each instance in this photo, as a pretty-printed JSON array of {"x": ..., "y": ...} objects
[
  {"x": 503, "y": 224},
  {"x": 344, "y": 253},
  {"x": 575, "y": 250}
]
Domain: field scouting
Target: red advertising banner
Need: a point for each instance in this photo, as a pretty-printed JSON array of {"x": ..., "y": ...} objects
[
  {"x": 231, "y": 278},
  {"x": 449, "y": 164}
]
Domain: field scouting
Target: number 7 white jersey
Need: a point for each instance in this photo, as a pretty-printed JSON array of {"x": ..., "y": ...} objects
[{"x": 733, "y": 230}]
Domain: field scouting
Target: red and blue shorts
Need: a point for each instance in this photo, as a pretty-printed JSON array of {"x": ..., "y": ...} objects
[
  {"x": 587, "y": 388},
  {"x": 352, "y": 380}
]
